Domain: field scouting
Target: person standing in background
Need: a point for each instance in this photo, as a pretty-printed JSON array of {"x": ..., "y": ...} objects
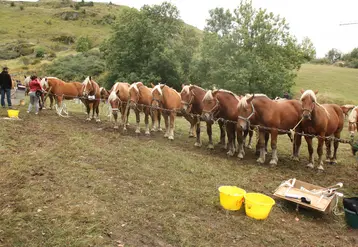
[
  {"x": 5, "y": 85},
  {"x": 34, "y": 86}
]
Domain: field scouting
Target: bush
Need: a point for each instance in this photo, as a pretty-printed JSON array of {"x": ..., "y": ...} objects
[
  {"x": 12, "y": 4},
  {"x": 77, "y": 7},
  {"x": 40, "y": 52},
  {"x": 21, "y": 7},
  {"x": 321, "y": 61},
  {"x": 25, "y": 60},
  {"x": 65, "y": 39},
  {"x": 76, "y": 67},
  {"x": 83, "y": 44}
]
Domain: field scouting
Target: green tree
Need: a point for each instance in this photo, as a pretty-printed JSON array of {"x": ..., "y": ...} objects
[
  {"x": 333, "y": 55},
  {"x": 249, "y": 50},
  {"x": 308, "y": 49},
  {"x": 150, "y": 45},
  {"x": 83, "y": 44}
]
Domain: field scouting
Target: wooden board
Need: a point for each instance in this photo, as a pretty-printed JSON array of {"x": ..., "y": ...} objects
[{"x": 323, "y": 205}]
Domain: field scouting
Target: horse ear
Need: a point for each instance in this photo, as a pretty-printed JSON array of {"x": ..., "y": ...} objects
[
  {"x": 316, "y": 92},
  {"x": 161, "y": 86},
  {"x": 139, "y": 84},
  {"x": 152, "y": 85},
  {"x": 182, "y": 86},
  {"x": 302, "y": 91},
  {"x": 25, "y": 76},
  {"x": 214, "y": 92},
  {"x": 90, "y": 78},
  {"x": 250, "y": 99}
]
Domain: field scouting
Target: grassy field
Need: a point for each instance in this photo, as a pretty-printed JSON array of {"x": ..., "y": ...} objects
[
  {"x": 335, "y": 84},
  {"x": 68, "y": 182}
]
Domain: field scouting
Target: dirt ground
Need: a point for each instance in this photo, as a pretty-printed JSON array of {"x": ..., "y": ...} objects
[{"x": 68, "y": 182}]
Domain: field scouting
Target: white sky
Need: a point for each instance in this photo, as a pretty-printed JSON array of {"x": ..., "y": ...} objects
[{"x": 317, "y": 19}]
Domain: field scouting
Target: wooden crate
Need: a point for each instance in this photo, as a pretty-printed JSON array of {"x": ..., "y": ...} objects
[{"x": 324, "y": 204}]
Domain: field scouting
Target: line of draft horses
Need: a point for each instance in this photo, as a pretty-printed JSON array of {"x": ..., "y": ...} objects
[{"x": 237, "y": 114}]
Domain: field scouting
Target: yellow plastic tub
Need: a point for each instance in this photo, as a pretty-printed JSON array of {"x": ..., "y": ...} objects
[
  {"x": 13, "y": 113},
  {"x": 231, "y": 197},
  {"x": 258, "y": 206}
]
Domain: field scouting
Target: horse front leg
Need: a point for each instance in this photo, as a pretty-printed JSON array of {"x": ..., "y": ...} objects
[
  {"x": 274, "y": 158},
  {"x": 240, "y": 141},
  {"x": 115, "y": 117},
  {"x": 297, "y": 139},
  {"x": 171, "y": 125},
  {"x": 310, "y": 152},
  {"x": 146, "y": 121},
  {"x": 166, "y": 121},
  {"x": 198, "y": 140},
  {"x": 159, "y": 118},
  {"x": 336, "y": 144},
  {"x": 137, "y": 121},
  {"x": 97, "y": 112},
  {"x": 154, "y": 115},
  {"x": 59, "y": 105},
  {"x": 209, "y": 132},
  {"x": 261, "y": 144},
  {"x": 320, "y": 151},
  {"x": 249, "y": 144},
  {"x": 231, "y": 139},
  {"x": 222, "y": 134}
]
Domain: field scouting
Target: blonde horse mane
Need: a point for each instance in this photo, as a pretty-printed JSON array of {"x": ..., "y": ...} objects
[
  {"x": 314, "y": 98},
  {"x": 113, "y": 95},
  {"x": 243, "y": 101}
]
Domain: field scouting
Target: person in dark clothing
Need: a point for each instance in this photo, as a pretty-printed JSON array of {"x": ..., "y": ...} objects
[
  {"x": 5, "y": 85},
  {"x": 286, "y": 95}
]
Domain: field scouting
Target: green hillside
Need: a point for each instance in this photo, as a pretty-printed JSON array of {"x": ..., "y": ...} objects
[{"x": 334, "y": 84}]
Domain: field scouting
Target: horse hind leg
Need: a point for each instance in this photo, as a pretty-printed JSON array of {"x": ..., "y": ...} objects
[
  {"x": 137, "y": 116},
  {"x": 166, "y": 120},
  {"x": 328, "y": 150},
  {"x": 310, "y": 152},
  {"x": 146, "y": 121},
  {"x": 97, "y": 113},
  {"x": 336, "y": 144},
  {"x": 171, "y": 126},
  {"x": 249, "y": 144},
  {"x": 320, "y": 151},
  {"x": 197, "y": 130}
]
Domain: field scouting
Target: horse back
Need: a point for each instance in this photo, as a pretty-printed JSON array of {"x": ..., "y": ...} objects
[
  {"x": 123, "y": 91},
  {"x": 335, "y": 118},
  {"x": 172, "y": 99},
  {"x": 145, "y": 95}
]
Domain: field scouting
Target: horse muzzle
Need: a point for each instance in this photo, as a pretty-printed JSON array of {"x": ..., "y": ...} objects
[
  {"x": 206, "y": 116},
  {"x": 307, "y": 116}
]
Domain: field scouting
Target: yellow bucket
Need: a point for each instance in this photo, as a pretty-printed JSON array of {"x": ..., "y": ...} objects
[
  {"x": 13, "y": 113},
  {"x": 258, "y": 206},
  {"x": 231, "y": 197}
]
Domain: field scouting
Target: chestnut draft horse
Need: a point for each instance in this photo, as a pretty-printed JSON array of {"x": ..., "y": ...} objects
[
  {"x": 322, "y": 120},
  {"x": 140, "y": 99},
  {"x": 104, "y": 98},
  {"x": 221, "y": 104},
  {"x": 192, "y": 102},
  {"x": 61, "y": 90},
  {"x": 346, "y": 109},
  {"x": 260, "y": 110},
  {"x": 118, "y": 99},
  {"x": 353, "y": 121},
  {"x": 91, "y": 98},
  {"x": 168, "y": 99}
]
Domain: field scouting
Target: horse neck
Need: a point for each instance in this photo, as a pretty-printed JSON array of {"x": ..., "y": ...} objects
[
  {"x": 144, "y": 95},
  {"x": 228, "y": 103},
  {"x": 261, "y": 104}
]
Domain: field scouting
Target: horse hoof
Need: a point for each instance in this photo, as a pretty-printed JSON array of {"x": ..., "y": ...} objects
[
  {"x": 137, "y": 131},
  {"x": 191, "y": 136},
  {"x": 125, "y": 129},
  {"x": 333, "y": 162},
  {"x": 160, "y": 129},
  {"x": 240, "y": 156},
  {"x": 147, "y": 133},
  {"x": 273, "y": 162},
  {"x": 127, "y": 124},
  {"x": 310, "y": 165},
  {"x": 210, "y": 146},
  {"x": 328, "y": 161},
  {"x": 320, "y": 168},
  {"x": 197, "y": 144},
  {"x": 230, "y": 153},
  {"x": 260, "y": 161},
  {"x": 248, "y": 146},
  {"x": 115, "y": 127},
  {"x": 88, "y": 119},
  {"x": 98, "y": 120},
  {"x": 171, "y": 138},
  {"x": 295, "y": 158}
]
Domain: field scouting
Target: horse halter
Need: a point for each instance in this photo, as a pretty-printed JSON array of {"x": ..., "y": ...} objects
[
  {"x": 188, "y": 104},
  {"x": 308, "y": 109},
  {"x": 214, "y": 109},
  {"x": 247, "y": 119}
]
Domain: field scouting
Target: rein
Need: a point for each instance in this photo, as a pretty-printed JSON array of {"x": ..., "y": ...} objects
[
  {"x": 247, "y": 119},
  {"x": 188, "y": 104}
]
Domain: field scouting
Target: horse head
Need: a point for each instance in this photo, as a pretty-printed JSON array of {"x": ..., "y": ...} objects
[
  {"x": 308, "y": 100},
  {"x": 157, "y": 94},
  {"x": 211, "y": 105},
  {"x": 187, "y": 97},
  {"x": 88, "y": 87},
  {"x": 134, "y": 94},
  {"x": 246, "y": 111},
  {"x": 352, "y": 121},
  {"x": 104, "y": 93}
]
